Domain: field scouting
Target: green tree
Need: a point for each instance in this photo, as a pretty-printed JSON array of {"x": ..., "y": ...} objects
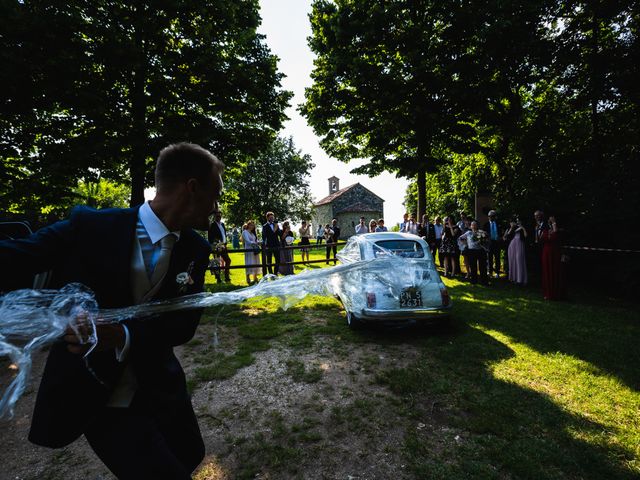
[
  {"x": 276, "y": 180},
  {"x": 108, "y": 84},
  {"x": 556, "y": 123},
  {"x": 387, "y": 84},
  {"x": 102, "y": 193}
]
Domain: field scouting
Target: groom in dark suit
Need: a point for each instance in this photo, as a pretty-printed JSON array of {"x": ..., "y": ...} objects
[
  {"x": 128, "y": 396},
  {"x": 271, "y": 242}
]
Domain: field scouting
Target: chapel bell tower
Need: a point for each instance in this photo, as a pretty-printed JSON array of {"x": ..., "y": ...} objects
[{"x": 334, "y": 185}]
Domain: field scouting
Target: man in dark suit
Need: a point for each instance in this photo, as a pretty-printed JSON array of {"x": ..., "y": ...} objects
[
  {"x": 427, "y": 231},
  {"x": 271, "y": 240},
  {"x": 494, "y": 232},
  {"x": 332, "y": 242},
  {"x": 217, "y": 236},
  {"x": 128, "y": 396}
]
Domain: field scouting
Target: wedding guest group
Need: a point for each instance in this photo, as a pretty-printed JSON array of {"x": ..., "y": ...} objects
[
  {"x": 128, "y": 396},
  {"x": 482, "y": 250}
]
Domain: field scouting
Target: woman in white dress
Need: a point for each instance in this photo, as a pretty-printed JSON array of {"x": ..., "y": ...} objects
[{"x": 252, "y": 259}]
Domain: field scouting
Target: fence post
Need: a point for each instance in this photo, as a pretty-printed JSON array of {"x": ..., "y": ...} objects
[{"x": 264, "y": 259}]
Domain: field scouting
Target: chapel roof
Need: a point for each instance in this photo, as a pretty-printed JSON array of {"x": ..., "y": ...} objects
[{"x": 342, "y": 191}]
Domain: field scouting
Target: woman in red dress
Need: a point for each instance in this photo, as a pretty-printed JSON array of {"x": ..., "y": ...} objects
[{"x": 553, "y": 279}]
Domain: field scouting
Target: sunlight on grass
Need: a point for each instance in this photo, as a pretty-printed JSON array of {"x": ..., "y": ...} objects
[
  {"x": 211, "y": 470},
  {"x": 609, "y": 407}
]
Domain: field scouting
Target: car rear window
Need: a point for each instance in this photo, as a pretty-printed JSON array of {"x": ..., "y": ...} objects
[{"x": 402, "y": 248}]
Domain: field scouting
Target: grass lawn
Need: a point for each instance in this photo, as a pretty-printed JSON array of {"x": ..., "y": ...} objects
[
  {"x": 516, "y": 387},
  {"x": 238, "y": 278}
]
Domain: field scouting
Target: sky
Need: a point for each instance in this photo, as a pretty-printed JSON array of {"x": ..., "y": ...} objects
[{"x": 285, "y": 23}]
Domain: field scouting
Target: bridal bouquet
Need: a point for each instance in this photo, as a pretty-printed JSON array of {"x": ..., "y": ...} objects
[
  {"x": 218, "y": 247},
  {"x": 481, "y": 238}
]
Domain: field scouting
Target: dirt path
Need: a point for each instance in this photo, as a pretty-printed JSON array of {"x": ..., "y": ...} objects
[{"x": 318, "y": 414}]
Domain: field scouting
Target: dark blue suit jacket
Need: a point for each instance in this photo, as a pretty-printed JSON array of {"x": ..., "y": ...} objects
[
  {"x": 270, "y": 238},
  {"x": 95, "y": 248}
]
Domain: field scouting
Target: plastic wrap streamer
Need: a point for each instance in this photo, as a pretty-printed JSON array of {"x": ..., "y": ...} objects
[{"x": 31, "y": 319}]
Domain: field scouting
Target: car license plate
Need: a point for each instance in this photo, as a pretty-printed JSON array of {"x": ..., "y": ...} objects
[{"x": 410, "y": 298}]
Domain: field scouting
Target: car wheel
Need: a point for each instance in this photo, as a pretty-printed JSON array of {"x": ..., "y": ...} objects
[{"x": 353, "y": 321}]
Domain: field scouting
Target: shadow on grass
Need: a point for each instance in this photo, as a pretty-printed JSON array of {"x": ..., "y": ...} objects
[
  {"x": 477, "y": 426},
  {"x": 604, "y": 335}
]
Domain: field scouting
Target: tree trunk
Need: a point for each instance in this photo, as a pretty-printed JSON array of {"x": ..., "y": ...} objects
[
  {"x": 138, "y": 113},
  {"x": 422, "y": 193},
  {"x": 595, "y": 89}
]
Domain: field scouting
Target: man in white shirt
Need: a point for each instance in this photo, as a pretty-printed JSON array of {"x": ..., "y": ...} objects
[
  {"x": 411, "y": 226},
  {"x": 362, "y": 227},
  {"x": 405, "y": 219},
  {"x": 128, "y": 396}
]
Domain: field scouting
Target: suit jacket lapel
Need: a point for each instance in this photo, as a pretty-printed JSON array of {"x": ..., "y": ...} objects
[
  {"x": 140, "y": 283},
  {"x": 122, "y": 245}
]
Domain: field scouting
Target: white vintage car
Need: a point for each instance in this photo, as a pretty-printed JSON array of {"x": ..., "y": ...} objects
[{"x": 395, "y": 279}]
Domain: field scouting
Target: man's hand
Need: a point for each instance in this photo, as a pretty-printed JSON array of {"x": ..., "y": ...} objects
[{"x": 110, "y": 336}]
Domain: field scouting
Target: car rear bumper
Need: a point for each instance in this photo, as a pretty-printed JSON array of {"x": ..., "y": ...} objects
[{"x": 432, "y": 313}]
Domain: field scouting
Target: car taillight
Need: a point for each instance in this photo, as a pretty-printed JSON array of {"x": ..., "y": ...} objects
[
  {"x": 444, "y": 293},
  {"x": 371, "y": 300}
]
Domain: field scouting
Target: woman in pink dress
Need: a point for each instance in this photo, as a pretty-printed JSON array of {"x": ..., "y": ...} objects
[
  {"x": 553, "y": 279},
  {"x": 515, "y": 237}
]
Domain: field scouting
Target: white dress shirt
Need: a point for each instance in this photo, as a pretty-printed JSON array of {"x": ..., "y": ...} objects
[
  {"x": 466, "y": 240},
  {"x": 149, "y": 232},
  {"x": 360, "y": 229},
  {"x": 439, "y": 228},
  {"x": 411, "y": 227}
]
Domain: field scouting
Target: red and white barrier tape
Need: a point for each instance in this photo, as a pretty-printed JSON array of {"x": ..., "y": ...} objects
[{"x": 602, "y": 249}]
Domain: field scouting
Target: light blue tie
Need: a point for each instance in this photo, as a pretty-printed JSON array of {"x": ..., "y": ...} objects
[{"x": 162, "y": 264}]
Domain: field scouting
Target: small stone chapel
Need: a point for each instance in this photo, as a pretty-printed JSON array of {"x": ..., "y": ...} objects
[{"x": 347, "y": 205}]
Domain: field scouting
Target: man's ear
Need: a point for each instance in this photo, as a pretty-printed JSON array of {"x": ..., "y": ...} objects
[{"x": 192, "y": 185}]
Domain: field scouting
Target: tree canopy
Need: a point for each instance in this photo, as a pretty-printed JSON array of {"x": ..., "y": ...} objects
[
  {"x": 532, "y": 102},
  {"x": 275, "y": 180},
  {"x": 103, "y": 86}
]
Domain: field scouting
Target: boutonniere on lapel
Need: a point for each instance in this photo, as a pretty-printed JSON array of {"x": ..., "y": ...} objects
[{"x": 184, "y": 279}]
